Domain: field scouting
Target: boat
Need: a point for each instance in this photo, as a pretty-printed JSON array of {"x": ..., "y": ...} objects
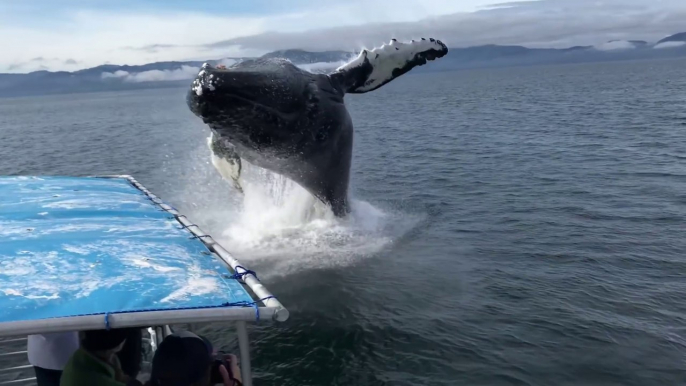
[{"x": 84, "y": 253}]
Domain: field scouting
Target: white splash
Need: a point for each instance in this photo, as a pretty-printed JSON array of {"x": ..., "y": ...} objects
[
  {"x": 197, "y": 283},
  {"x": 72, "y": 257},
  {"x": 46, "y": 275},
  {"x": 201, "y": 81},
  {"x": 278, "y": 226},
  {"x": 34, "y": 229},
  {"x": 144, "y": 262},
  {"x": 97, "y": 203},
  {"x": 76, "y": 249}
]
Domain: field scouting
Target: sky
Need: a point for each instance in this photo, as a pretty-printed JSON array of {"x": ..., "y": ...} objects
[{"x": 74, "y": 34}]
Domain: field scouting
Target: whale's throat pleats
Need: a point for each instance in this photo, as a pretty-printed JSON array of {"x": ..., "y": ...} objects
[{"x": 226, "y": 160}]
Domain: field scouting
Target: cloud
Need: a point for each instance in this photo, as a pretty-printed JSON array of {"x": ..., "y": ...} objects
[
  {"x": 183, "y": 73},
  {"x": 551, "y": 23},
  {"x": 117, "y": 74},
  {"x": 227, "y": 62},
  {"x": 15, "y": 66},
  {"x": 92, "y": 38},
  {"x": 133, "y": 32},
  {"x": 41, "y": 63},
  {"x": 615, "y": 45},
  {"x": 189, "y": 72},
  {"x": 669, "y": 45},
  {"x": 151, "y": 48}
]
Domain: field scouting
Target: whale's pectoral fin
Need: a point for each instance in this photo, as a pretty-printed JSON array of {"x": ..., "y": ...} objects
[
  {"x": 226, "y": 160},
  {"x": 374, "y": 68}
]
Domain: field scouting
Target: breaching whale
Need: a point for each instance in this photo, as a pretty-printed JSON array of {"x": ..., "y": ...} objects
[{"x": 274, "y": 115}]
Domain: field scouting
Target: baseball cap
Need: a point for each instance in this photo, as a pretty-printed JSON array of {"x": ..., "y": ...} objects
[{"x": 182, "y": 358}]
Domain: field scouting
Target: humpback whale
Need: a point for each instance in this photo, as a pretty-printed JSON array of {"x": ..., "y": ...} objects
[{"x": 274, "y": 115}]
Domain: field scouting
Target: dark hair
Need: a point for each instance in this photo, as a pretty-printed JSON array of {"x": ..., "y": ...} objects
[
  {"x": 103, "y": 340},
  {"x": 182, "y": 358}
]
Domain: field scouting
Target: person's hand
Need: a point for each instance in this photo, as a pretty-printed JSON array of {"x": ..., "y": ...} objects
[
  {"x": 225, "y": 376},
  {"x": 233, "y": 363},
  {"x": 118, "y": 372},
  {"x": 120, "y": 376}
]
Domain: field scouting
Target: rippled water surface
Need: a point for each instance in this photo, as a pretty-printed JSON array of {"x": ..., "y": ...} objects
[{"x": 510, "y": 227}]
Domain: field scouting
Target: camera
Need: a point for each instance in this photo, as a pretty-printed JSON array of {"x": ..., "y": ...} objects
[{"x": 215, "y": 375}]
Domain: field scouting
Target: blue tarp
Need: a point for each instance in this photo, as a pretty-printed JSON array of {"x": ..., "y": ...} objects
[{"x": 82, "y": 246}]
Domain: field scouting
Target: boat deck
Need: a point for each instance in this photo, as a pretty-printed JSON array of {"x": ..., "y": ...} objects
[{"x": 79, "y": 253}]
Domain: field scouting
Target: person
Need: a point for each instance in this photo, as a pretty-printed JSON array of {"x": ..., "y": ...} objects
[
  {"x": 131, "y": 355},
  {"x": 49, "y": 353},
  {"x": 96, "y": 361},
  {"x": 186, "y": 359}
]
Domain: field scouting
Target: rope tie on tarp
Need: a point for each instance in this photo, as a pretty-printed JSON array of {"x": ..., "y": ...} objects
[
  {"x": 251, "y": 304},
  {"x": 188, "y": 226},
  {"x": 257, "y": 309},
  {"x": 107, "y": 320},
  {"x": 240, "y": 275}
]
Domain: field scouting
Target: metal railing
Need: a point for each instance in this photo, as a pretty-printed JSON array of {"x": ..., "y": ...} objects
[
  {"x": 15, "y": 368},
  {"x": 14, "y": 364}
]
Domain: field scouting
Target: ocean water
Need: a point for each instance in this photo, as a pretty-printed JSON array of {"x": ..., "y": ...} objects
[{"x": 522, "y": 226}]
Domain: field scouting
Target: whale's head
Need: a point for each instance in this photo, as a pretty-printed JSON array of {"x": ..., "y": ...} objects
[{"x": 264, "y": 104}]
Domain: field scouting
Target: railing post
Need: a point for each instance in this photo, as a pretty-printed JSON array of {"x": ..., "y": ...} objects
[{"x": 244, "y": 348}]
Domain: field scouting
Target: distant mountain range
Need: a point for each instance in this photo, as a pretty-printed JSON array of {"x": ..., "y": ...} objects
[
  {"x": 306, "y": 57},
  {"x": 175, "y": 74},
  {"x": 680, "y": 37}
]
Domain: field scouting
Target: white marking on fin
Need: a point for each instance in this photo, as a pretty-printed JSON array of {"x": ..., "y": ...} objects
[
  {"x": 391, "y": 57},
  {"x": 229, "y": 171}
]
